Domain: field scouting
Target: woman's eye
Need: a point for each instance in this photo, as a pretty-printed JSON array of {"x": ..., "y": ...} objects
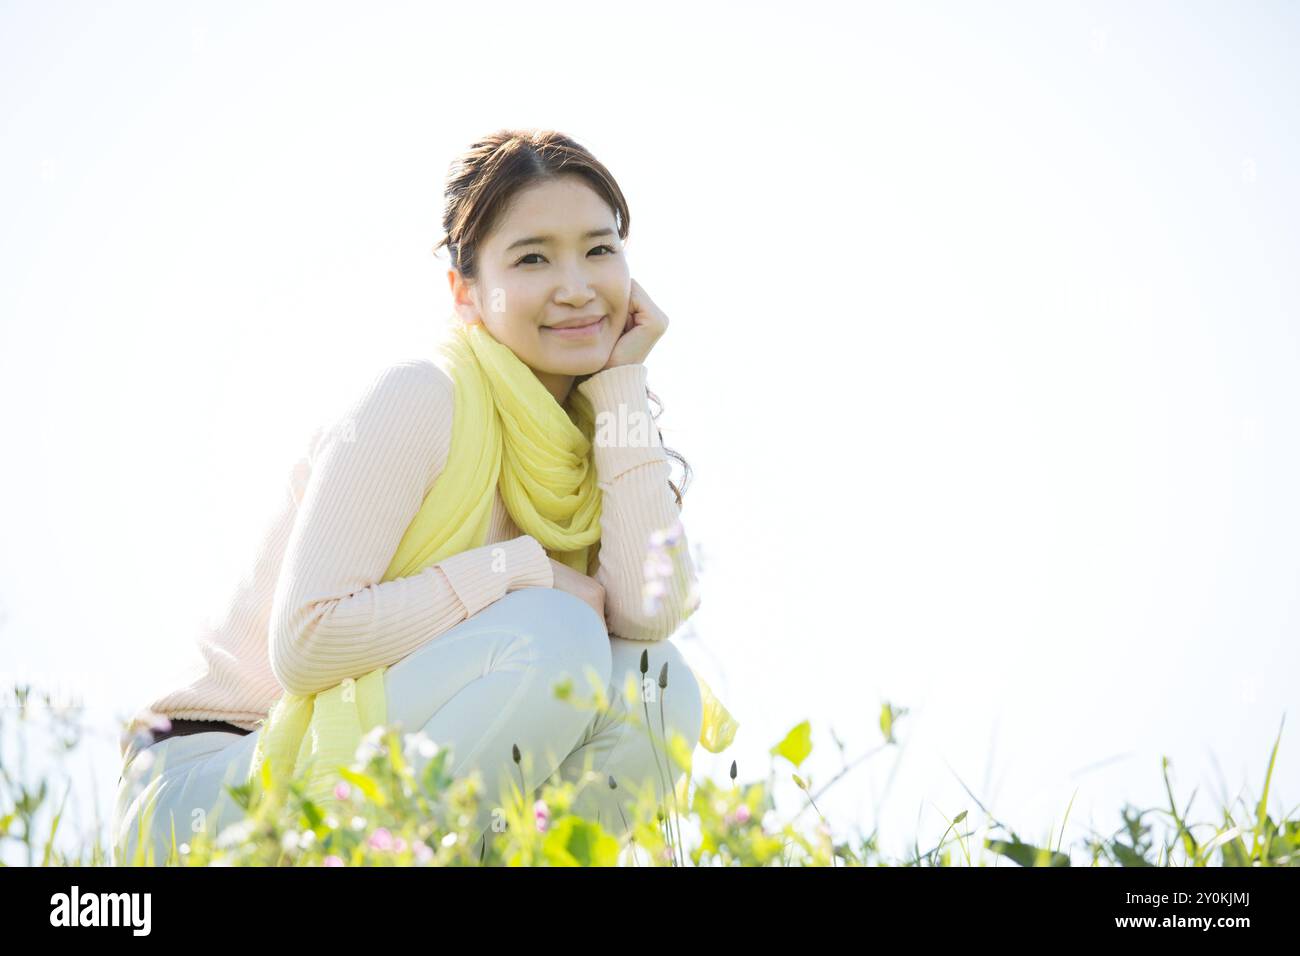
[{"x": 520, "y": 261}]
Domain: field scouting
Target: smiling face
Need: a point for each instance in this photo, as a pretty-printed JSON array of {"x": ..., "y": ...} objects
[{"x": 554, "y": 256}]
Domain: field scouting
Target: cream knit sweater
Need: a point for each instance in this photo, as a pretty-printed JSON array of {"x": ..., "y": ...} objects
[{"x": 310, "y": 612}]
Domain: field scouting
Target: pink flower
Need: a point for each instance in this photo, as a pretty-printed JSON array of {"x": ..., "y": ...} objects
[
  {"x": 739, "y": 818},
  {"x": 381, "y": 839},
  {"x": 160, "y": 722},
  {"x": 422, "y": 851},
  {"x": 333, "y": 860},
  {"x": 342, "y": 790},
  {"x": 542, "y": 814}
]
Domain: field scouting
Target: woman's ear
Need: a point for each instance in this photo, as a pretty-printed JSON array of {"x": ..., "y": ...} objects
[{"x": 462, "y": 296}]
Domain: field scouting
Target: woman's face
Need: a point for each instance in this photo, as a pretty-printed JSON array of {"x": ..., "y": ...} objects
[{"x": 553, "y": 256}]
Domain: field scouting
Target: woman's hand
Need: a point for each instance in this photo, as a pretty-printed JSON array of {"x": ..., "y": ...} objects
[
  {"x": 579, "y": 585},
  {"x": 646, "y": 324}
]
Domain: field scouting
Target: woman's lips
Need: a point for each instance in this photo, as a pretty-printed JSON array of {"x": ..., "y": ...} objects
[{"x": 581, "y": 332}]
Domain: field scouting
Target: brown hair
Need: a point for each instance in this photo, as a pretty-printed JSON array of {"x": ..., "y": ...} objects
[{"x": 484, "y": 178}]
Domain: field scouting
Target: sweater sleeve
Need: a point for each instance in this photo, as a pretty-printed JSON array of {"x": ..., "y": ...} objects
[
  {"x": 632, "y": 470},
  {"x": 331, "y": 617}
]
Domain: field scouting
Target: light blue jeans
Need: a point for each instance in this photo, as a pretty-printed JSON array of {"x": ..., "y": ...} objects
[{"x": 479, "y": 688}]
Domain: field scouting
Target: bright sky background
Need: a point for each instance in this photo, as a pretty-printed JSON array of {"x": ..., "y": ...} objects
[{"x": 984, "y": 353}]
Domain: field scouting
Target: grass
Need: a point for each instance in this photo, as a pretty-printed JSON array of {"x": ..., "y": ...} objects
[{"x": 397, "y": 805}]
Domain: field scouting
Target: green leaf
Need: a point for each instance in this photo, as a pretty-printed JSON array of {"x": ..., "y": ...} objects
[
  {"x": 1126, "y": 855},
  {"x": 889, "y": 715},
  {"x": 797, "y": 744},
  {"x": 366, "y": 784},
  {"x": 1026, "y": 854},
  {"x": 573, "y": 841},
  {"x": 1261, "y": 812}
]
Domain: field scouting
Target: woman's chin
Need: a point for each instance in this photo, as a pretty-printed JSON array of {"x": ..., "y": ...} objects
[{"x": 589, "y": 364}]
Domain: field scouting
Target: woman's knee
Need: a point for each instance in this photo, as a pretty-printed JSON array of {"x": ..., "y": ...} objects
[
  {"x": 566, "y": 631},
  {"x": 681, "y": 699}
]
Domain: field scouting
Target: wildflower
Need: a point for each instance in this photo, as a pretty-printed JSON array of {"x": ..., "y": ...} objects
[
  {"x": 668, "y": 536},
  {"x": 333, "y": 860},
  {"x": 652, "y": 594},
  {"x": 155, "y": 721},
  {"x": 660, "y": 563},
  {"x": 371, "y": 745},
  {"x": 289, "y": 841},
  {"x": 542, "y": 814},
  {"x": 420, "y": 744},
  {"x": 235, "y": 834},
  {"x": 658, "y": 566},
  {"x": 739, "y": 818},
  {"x": 381, "y": 839},
  {"x": 423, "y": 854},
  {"x": 342, "y": 790},
  {"x": 139, "y": 732}
]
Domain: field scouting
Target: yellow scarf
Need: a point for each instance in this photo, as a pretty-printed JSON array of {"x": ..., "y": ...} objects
[{"x": 509, "y": 432}]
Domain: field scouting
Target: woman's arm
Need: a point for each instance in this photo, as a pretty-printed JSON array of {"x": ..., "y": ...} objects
[
  {"x": 633, "y": 470},
  {"x": 331, "y": 618}
]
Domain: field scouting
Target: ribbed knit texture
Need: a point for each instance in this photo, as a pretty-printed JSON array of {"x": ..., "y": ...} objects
[{"x": 310, "y": 611}]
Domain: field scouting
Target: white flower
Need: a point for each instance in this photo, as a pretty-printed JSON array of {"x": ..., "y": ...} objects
[
  {"x": 419, "y": 743},
  {"x": 371, "y": 746},
  {"x": 235, "y": 834}
]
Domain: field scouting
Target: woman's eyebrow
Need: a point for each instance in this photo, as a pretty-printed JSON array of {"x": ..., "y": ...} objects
[{"x": 542, "y": 240}]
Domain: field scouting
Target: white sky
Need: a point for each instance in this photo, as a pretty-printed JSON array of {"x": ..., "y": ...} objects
[{"x": 983, "y": 350}]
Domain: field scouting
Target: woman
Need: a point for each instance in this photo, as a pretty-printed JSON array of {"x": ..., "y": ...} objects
[{"x": 474, "y": 643}]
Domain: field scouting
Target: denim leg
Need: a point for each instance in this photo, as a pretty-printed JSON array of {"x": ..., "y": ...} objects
[
  {"x": 487, "y": 685},
  {"x": 478, "y": 689},
  {"x": 179, "y": 782},
  {"x": 623, "y": 745}
]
